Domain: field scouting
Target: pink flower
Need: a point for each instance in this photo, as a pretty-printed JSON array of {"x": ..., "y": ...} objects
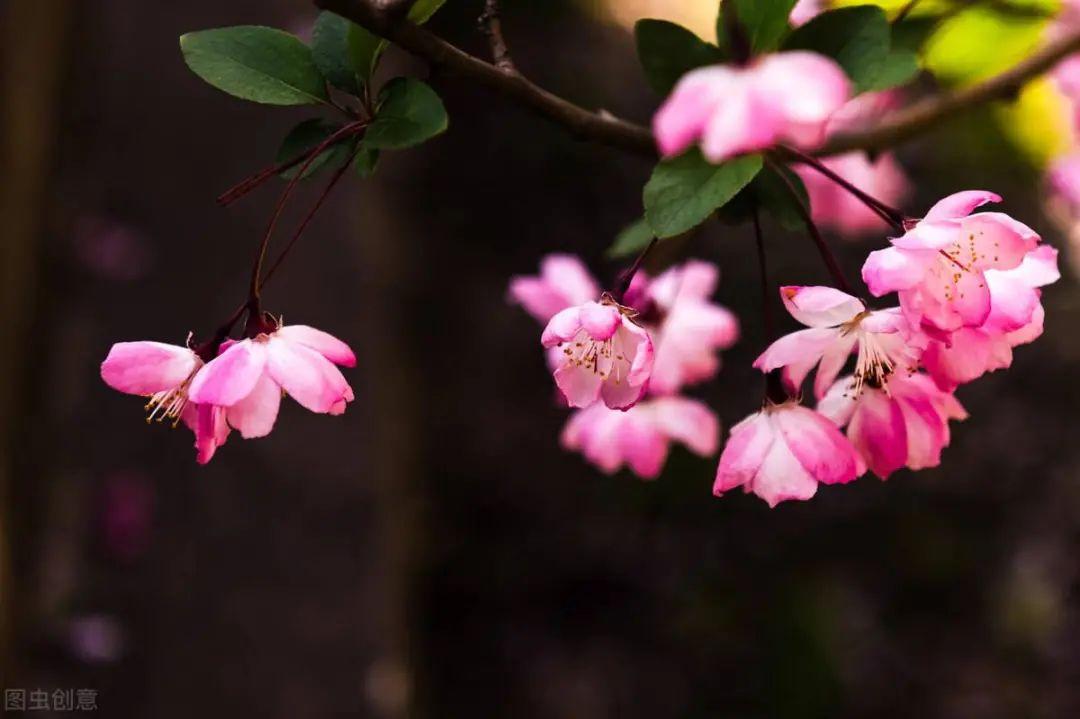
[
  {"x": 839, "y": 324},
  {"x": 906, "y": 425},
  {"x": 1016, "y": 318},
  {"x": 783, "y": 97},
  {"x": 1063, "y": 178},
  {"x": 564, "y": 281},
  {"x": 938, "y": 265},
  {"x": 606, "y": 354},
  {"x": 641, "y": 436},
  {"x": 164, "y": 374},
  {"x": 783, "y": 452},
  {"x": 833, "y": 206},
  {"x": 248, "y": 378},
  {"x": 691, "y": 330},
  {"x": 804, "y": 11},
  {"x": 864, "y": 111}
]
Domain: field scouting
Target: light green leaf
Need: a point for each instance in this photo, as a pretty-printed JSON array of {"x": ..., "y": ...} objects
[
  {"x": 764, "y": 21},
  {"x": 668, "y": 51},
  {"x": 409, "y": 113},
  {"x": 857, "y": 38},
  {"x": 900, "y": 68},
  {"x": 367, "y": 159},
  {"x": 306, "y": 136},
  {"x": 632, "y": 239},
  {"x": 685, "y": 190},
  {"x": 422, "y": 10},
  {"x": 255, "y": 63},
  {"x": 365, "y": 49}
]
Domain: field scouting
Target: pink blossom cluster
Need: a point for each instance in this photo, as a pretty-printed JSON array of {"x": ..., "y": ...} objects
[
  {"x": 239, "y": 386},
  {"x": 623, "y": 364},
  {"x": 968, "y": 292}
]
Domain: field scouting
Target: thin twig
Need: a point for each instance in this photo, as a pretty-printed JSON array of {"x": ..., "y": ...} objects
[
  {"x": 890, "y": 214},
  {"x": 904, "y": 12},
  {"x": 491, "y": 24},
  {"x": 628, "y": 276},
  {"x": 307, "y": 219},
  {"x": 766, "y": 295},
  {"x": 260, "y": 257},
  {"x": 822, "y": 246}
]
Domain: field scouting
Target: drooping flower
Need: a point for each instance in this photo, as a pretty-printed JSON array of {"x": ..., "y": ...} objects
[
  {"x": 783, "y": 452},
  {"x": 782, "y": 97},
  {"x": 834, "y": 207},
  {"x": 248, "y": 377},
  {"x": 606, "y": 354},
  {"x": 839, "y": 324},
  {"x": 905, "y": 425},
  {"x": 691, "y": 330},
  {"x": 563, "y": 282},
  {"x": 1016, "y": 318},
  {"x": 641, "y": 436},
  {"x": 938, "y": 266},
  {"x": 164, "y": 373}
]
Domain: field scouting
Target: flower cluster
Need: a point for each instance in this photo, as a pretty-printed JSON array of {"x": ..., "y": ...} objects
[
  {"x": 968, "y": 289},
  {"x": 623, "y": 365},
  {"x": 239, "y": 386}
]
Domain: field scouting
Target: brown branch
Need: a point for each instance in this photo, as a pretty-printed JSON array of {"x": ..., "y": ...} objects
[
  {"x": 491, "y": 24},
  {"x": 604, "y": 128},
  {"x": 924, "y": 115},
  {"x": 597, "y": 126}
]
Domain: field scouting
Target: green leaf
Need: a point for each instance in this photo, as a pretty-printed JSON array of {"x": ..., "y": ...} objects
[
  {"x": 365, "y": 49},
  {"x": 633, "y": 239},
  {"x": 409, "y": 113},
  {"x": 857, "y": 38},
  {"x": 366, "y": 160},
  {"x": 774, "y": 197},
  {"x": 764, "y": 21},
  {"x": 306, "y": 136},
  {"x": 685, "y": 190},
  {"x": 255, "y": 63},
  {"x": 422, "y": 10},
  {"x": 668, "y": 51},
  {"x": 900, "y": 68},
  {"x": 330, "y": 50}
]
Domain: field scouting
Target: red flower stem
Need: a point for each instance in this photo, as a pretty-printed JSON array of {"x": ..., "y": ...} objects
[
  {"x": 891, "y": 215},
  {"x": 774, "y": 385},
  {"x": 246, "y": 185},
  {"x": 307, "y": 219},
  {"x": 256, "y": 268},
  {"x": 823, "y": 248},
  {"x": 628, "y": 276}
]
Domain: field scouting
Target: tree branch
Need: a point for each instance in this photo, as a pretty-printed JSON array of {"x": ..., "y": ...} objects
[
  {"x": 924, "y": 115},
  {"x": 597, "y": 126},
  {"x": 606, "y": 129},
  {"x": 491, "y": 24}
]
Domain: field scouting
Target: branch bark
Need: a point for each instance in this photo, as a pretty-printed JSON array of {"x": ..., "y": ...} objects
[{"x": 607, "y": 129}]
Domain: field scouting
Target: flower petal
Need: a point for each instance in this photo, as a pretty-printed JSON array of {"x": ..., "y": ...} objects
[
  {"x": 147, "y": 367},
  {"x": 960, "y": 204},
  {"x": 562, "y": 327},
  {"x": 579, "y": 385},
  {"x": 308, "y": 377},
  {"x": 254, "y": 415},
  {"x": 689, "y": 421},
  {"x": 600, "y": 320},
  {"x": 892, "y": 269},
  {"x": 878, "y": 432},
  {"x": 324, "y": 343},
  {"x": 744, "y": 452},
  {"x": 230, "y": 376},
  {"x": 817, "y": 443},
  {"x": 820, "y": 306}
]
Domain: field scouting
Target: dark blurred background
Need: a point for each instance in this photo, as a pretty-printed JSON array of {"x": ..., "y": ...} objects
[{"x": 434, "y": 553}]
